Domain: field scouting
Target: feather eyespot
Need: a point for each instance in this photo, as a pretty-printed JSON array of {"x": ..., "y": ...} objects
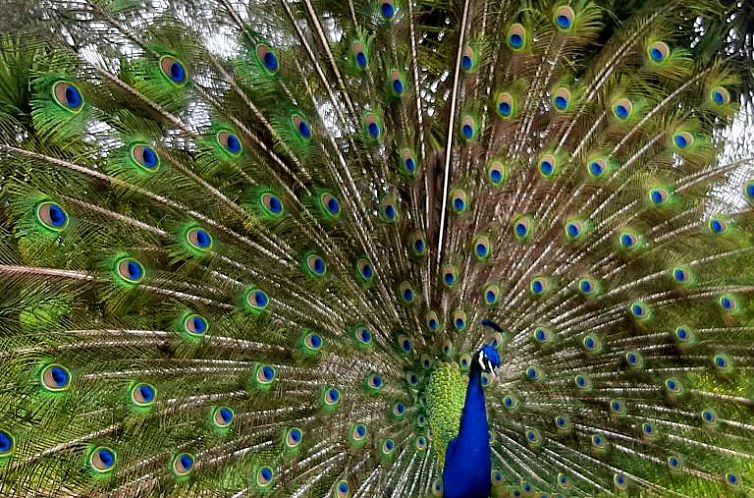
[
  {"x": 195, "y": 325},
  {"x": 510, "y": 402},
  {"x": 719, "y": 96},
  {"x": 102, "y": 459},
  {"x": 482, "y": 248},
  {"x": 52, "y": 216},
  {"x": 717, "y": 225},
  {"x": 406, "y": 293},
  {"x": 397, "y": 85},
  {"x": 314, "y": 265},
  {"x": 341, "y": 490},
  {"x": 539, "y": 286},
  {"x": 268, "y": 58},
  {"x": 597, "y": 168},
  {"x": 506, "y": 105},
  {"x": 182, "y": 464},
  {"x": 683, "y": 334},
  {"x": 673, "y": 386},
  {"x": 265, "y": 376},
  {"x": 330, "y": 397},
  {"x": 359, "y": 54},
  {"x": 389, "y": 209},
  {"x": 542, "y": 335},
  {"x": 7, "y": 443},
  {"x": 358, "y": 433},
  {"x": 432, "y": 321},
  {"x": 56, "y": 378},
  {"x": 409, "y": 163},
  {"x": 599, "y": 442},
  {"x": 199, "y": 239},
  {"x": 533, "y": 437},
  {"x": 683, "y": 140},
  {"x": 563, "y": 423},
  {"x": 255, "y": 300},
  {"x": 634, "y": 359},
  {"x": 302, "y": 127},
  {"x": 582, "y": 382},
  {"x": 658, "y": 196},
  {"x": 330, "y": 206},
  {"x": 468, "y": 60},
  {"x": 405, "y": 343},
  {"x": 564, "y": 17},
  {"x": 144, "y": 157},
  {"x": 229, "y": 142},
  {"x": 459, "y": 320},
  {"x": 372, "y": 125},
  {"x": 658, "y": 52},
  {"x": 588, "y": 286},
  {"x": 417, "y": 244},
  {"x": 561, "y": 99},
  {"x": 564, "y": 482},
  {"x": 388, "y": 10},
  {"x": 592, "y": 343},
  {"x": 293, "y": 437},
  {"x": 723, "y": 363},
  {"x": 675, "y": 462},
  {"x": 264, "y": 477},
  {"x": 749, "y": 191},
  {"x": 548, "y": 166},
  {"x": 532, "y": 373},
  {"x": 271, "y": 205},
  {"x": 143, "y": 395},
  {"x": 648, "y": 431},
  {"x": 617, "y": 407},
  {"x": 129, "y": 271},
  {"x": 620, "y": 482},
  {"x": 388, "y": 446},
  {"x": 516, "y": 37},
  {"x": 522, "y": 228},
  {"x": 174, "y": 70},
  {"x": 363, "y": 336},
  {"x": 459, "y": 201},
  {"x": 491, "y": 294},
  {"x": 709, "y": 417},
  {"x": 469, "y": 128},
  {"x": 449, "y": 275},
  {"x": 374, "y": 383},
  {"x": 364, "y": 270},
  {"x": 223, "y": 417},
  {"x": 399, "y": 409},
  {"x": 312, "y": 343},
  {"x": 496, "y": 174},
  {"x": 732, "y": 480},
  {"x": 622, "y": 109},
  {"x": 421, "y": 443},
  {"x": 68, "y": 96}
]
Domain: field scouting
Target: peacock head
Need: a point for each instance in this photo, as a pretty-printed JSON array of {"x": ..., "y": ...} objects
[{"x": 488, "y": 359}]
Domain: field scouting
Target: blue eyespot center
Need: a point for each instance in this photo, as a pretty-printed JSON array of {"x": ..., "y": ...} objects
[
  {"x": 268, "y": 373},
  {"x": 333, "y": 206},
  {"x": 305, "y": 130},
  {"x": 270, "y": 61},
  {"x": 261, "y": 298},
  {"x": 621, "y": 111},
  {"x": 681, "y": 141},
  {"x": 496, "y": 176},
  {"x": 656, "y": 54},
  {"x": 146, "y": 393},
  {"x": 60, "y": 376},
  {"x": 481, "y": 250},
  {"x": 564, "y": 22},
  {"x": 516, "y": 41},
  {"x": 521, "y": 229},
  {"x": 106, "y": 456},
  {"x": 233, "y": 144},
  {"x": 276, "y": 206},
  {"x": 57, "y": 216},
  {"x": 398, "y": 86},
  {"x": 316, "y": 341},
  {"x": 135, "y": 271},
  {"x": 561, "y": 102},
  {"x": 388, "y": 10},
  {"x": 177, "y": 72},
  {"x": 467, "y": 63},
  {"x": 374, "y": 130},
  {"x": 505, "y": 109},
  {"x": 361, "y": 60},
  {"x": 459, "y": 204},
  {"x": 6, "y": 442},
  {"x": 73, "y": 97},
  {"x": 468, "y": 131},
  {"x": 410, "y": 165}
]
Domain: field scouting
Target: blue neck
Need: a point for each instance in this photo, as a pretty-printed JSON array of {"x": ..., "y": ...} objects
[
  {"x": 474, "y": 418},
  {"x": 468, "y": 460}
]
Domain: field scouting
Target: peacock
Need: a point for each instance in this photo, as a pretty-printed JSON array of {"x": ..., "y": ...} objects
[{"x": 377, "y": 248}]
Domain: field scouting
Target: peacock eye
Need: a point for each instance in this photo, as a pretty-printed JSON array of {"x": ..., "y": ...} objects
[
  {"x": 174, "y": 70},
  {"x": 68, "y": 96}
]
